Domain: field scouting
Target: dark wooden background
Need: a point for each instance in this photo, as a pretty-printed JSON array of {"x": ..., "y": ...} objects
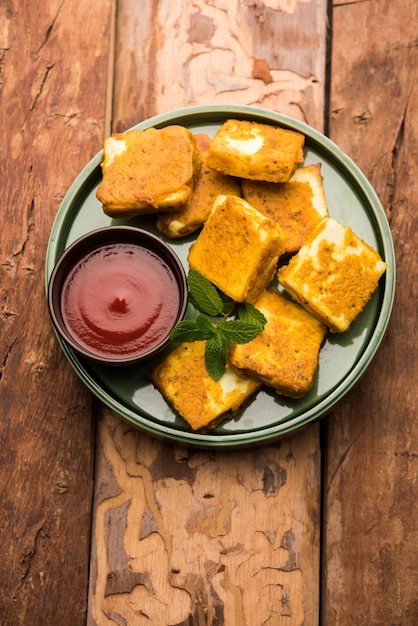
[{"x": 70, "y": 72}]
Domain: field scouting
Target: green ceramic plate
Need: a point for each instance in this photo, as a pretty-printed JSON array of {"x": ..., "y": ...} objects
[{"x": 344, "y": 357}]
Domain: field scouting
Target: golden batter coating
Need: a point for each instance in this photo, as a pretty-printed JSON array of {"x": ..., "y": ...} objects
[
  {"x": 237, "y": 249},
  {"x": 182, "y": 378},
  {"x": 256, "y": 151},
  {"x": 297, "y": 206},
  {"x": 333, "y": 275},
  {"x": 285, "y": 355},
  {"x": 209, "y": 185},
  {"x": 147, "y": 171}
]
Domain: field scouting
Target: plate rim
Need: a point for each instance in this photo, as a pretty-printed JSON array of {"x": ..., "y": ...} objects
[{"x": 320, "y": 409}]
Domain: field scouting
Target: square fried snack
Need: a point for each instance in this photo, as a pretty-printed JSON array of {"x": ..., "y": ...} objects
[
  {"x": 182, "y": 378},
  {"x": 209, "y": 184},
  {"x": 237, "y": 249},
  {"x": 333, "y": 275},
  {"x": 256, "y": 151},
  {"x": 297, "y": 206},
  {"x": 146, "y": 171},
  {"x": 285, "y": 355}
]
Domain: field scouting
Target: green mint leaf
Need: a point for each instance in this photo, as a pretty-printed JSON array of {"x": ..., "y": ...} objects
[
  {"x": 208, "y": 299},
  {"x": 235, "y": 331},
  {"x": 228, "y": 303},
  {"x": 215, "y": 356},
  {"x": 198, "y": 330},
  {"x": 187, "y": 331},
  {"x": 249, "y": 314},
  {"x": 205, "y": 326},
  {"x": 203, "y": 294}
]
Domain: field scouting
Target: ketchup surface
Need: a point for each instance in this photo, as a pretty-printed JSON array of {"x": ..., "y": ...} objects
[{"x": 120, "y": 300}]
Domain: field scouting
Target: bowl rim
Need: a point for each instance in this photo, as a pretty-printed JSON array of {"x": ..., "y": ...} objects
[{"x": 79, "y": 249}]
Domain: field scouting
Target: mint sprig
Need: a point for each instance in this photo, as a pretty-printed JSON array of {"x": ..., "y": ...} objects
[
  {"x": 247, "y": 324},
  {"x": 205, "y": 297},
  {"x": 216, "y": 351},
  {"x": 249, "y": 314}
]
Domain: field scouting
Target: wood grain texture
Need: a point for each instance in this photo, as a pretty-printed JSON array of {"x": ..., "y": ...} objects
[
  {"x": 269, "y": 53},
  {"x": 53, "y": 57},
  {"x": 371, "y": 538},
  {"x": 185, "y": 536}
]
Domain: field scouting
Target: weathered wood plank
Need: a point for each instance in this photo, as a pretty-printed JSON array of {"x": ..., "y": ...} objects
[
  {"x": 184, "y": 536},
  {"x": 371, "y": 548},
  {"x": 270, "y": 54},
  {"x": 53, "y": 60},
  {"x": 215, "y": 538}
]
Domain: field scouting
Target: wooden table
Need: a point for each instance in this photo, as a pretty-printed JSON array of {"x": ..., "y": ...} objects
[{"x": 101, "y": 524}]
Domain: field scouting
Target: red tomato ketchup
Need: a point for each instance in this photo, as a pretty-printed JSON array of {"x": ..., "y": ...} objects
[{"x": 120, "y": 300}]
